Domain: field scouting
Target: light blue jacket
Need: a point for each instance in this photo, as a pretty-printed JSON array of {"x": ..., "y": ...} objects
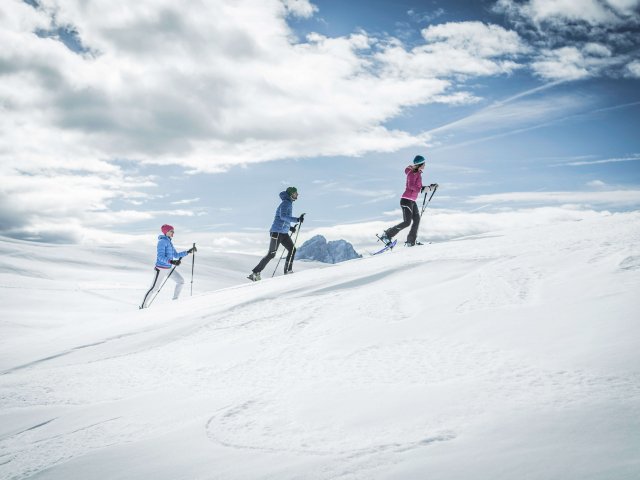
[
  {"x": 283, "y": 218},
  {"x": 167, "y": 252}
]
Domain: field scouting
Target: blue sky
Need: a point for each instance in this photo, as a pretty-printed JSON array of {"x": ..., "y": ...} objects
[{"x": 116, "y": 119}]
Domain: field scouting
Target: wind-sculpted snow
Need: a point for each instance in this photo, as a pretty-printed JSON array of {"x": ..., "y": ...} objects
[{"x": 510, "y": 355}]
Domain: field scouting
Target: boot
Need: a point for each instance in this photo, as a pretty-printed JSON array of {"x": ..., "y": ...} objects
[
  {"x": 409, "y": 244},
  {"x": 254, "y": 276},
  {"x": 385, "y": 238}
]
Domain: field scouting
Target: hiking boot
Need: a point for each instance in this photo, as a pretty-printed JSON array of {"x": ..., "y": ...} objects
[
  {"x": 385, "y": 238},
  {"x": 288, "y": 272},
  {"x": 409, "y": 244},
  {"x": 254, "y": 277}
]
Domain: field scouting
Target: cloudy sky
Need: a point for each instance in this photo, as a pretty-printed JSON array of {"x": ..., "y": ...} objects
[{"x": 118, "y": 116}]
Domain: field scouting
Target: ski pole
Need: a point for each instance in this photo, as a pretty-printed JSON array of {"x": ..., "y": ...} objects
[
  {"x": 279, "y": 260},
  {"x": 294, "y": 246},
  {"x": 193, "y": 263},
  {"x": 424, "y": 207},
  {"x": 165, "y": 281},
  {"x": 293, "y": 249}
]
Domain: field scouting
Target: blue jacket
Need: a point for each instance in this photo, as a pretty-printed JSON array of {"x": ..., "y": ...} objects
[
  {"x": 283, "y": 218},
  {"x": 166, "y": 252}
]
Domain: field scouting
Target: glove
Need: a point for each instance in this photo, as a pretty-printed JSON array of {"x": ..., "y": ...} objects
[
  {"x": 175, "y": 262},
  {"x": 292, "y": 229},
  {"x": 422, "y": 189},
  {"x": 301, "y": 218},
  {"x": 433, "y": 185},
  {"x": 192, "y": 249}
]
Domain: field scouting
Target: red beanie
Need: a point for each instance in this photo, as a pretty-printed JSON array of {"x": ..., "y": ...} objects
[{"x": 165, "y": 228}]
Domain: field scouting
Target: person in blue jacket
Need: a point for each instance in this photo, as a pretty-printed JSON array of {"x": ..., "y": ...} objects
[
  {"x": 167, "y": 258},
  {"x": 279, "y": 233}
]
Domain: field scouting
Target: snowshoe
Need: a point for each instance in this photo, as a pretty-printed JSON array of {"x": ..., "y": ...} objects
[{"x": 384, "y": 238}]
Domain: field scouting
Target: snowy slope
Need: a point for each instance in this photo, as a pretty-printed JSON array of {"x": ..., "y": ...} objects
[{"x": 507, "y": 355}]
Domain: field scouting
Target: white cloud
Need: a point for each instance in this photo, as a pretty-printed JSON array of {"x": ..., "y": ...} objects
[
  {"x": 207, "y": 91},
  {"x": 426, "y": 16},
  {"x": 476, "y": 38},
  {"x": 186, "y": 201},
  {"x": 54, "y": 201},
  {"x": 619, "y": 198},
  {"x": 577, "y": 39},
  {"x": 596, "y": 184},
  {"x": 514, "y": 115},
  {"x": 300, "y": 8},
  {"x": 633, "y": 69},
  {"x": 592, "y": 12},
  {"x": 629, "y": 158},
  {"x": 463, "y": 48},
  {"x": 573, "y": 63}
]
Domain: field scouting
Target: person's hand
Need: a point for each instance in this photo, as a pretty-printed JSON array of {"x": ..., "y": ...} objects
[
  {"x": 292, "y": 229},
  {"x": 192, "y": 249},
  {"x": 301, "y": 218},
  {"x": 175, "y": 262},
  {"x": 432, "y": 186}
]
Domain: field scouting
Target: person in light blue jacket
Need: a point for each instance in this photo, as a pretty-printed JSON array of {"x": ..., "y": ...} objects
[
  {"x": 167, "y": 259},
  {"x": 279, "y": 233}
]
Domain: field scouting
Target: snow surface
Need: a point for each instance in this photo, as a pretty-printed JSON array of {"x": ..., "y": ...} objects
[{"x": 508, "y": 355}]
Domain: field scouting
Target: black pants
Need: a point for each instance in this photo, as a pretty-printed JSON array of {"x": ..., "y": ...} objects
[
  {"x": 276, "y": 240},
  {"x": 410, "y": 211}
]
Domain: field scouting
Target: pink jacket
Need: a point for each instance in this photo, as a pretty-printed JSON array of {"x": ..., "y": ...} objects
[{"x": 414, "y": 184}]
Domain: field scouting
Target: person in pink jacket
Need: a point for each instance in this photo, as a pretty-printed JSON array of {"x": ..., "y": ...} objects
[{"x": 410, "y": 210}]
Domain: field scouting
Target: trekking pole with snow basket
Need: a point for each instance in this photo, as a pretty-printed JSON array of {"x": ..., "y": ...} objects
[
  {"x": 193, "y": 264},
  {"x": 425, "y": 203},
  {"x": 293, "y": 250},
  {"x": 294, "y": 246},
  {"x": 165, "y": 281}
]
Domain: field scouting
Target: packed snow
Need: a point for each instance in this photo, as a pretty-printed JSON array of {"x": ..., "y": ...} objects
[{"x": 508, "y": 355}]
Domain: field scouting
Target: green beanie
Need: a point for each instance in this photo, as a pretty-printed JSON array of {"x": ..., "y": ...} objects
[{"x": 291, "y": 190}]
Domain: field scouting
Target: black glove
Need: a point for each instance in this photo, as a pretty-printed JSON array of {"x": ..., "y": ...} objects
[
  {"x": 175, "y": 262},
  {"x": 301, "y": 218},
  {"x": 422, "y": 189},
  {"x": 192, "y": 249},
  {"x": 433, "y": 185},
  {"x": 292, "y": 229}
]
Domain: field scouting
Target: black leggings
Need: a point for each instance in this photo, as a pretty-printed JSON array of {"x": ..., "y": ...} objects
[
  {"x": 410, "y": 211},
  {"x": 276, "y": 240}
]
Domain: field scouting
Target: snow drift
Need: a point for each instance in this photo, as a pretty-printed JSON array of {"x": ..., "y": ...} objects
[{"x": 506, "y": 355}]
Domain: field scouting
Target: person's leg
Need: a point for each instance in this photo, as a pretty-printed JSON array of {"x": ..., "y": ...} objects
[
  {"x": 407, "y": 213},
  {"x": 415, "y": 216},
  {"x": 179, "y": 279},
  {"x": 158, "y": 277},
  {"x": 273, "y": 248},
  {"x": 288, "y": 244}
]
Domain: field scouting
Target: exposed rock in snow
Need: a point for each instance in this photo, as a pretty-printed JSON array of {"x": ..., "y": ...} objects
[{"x": 317, "y": 248}]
